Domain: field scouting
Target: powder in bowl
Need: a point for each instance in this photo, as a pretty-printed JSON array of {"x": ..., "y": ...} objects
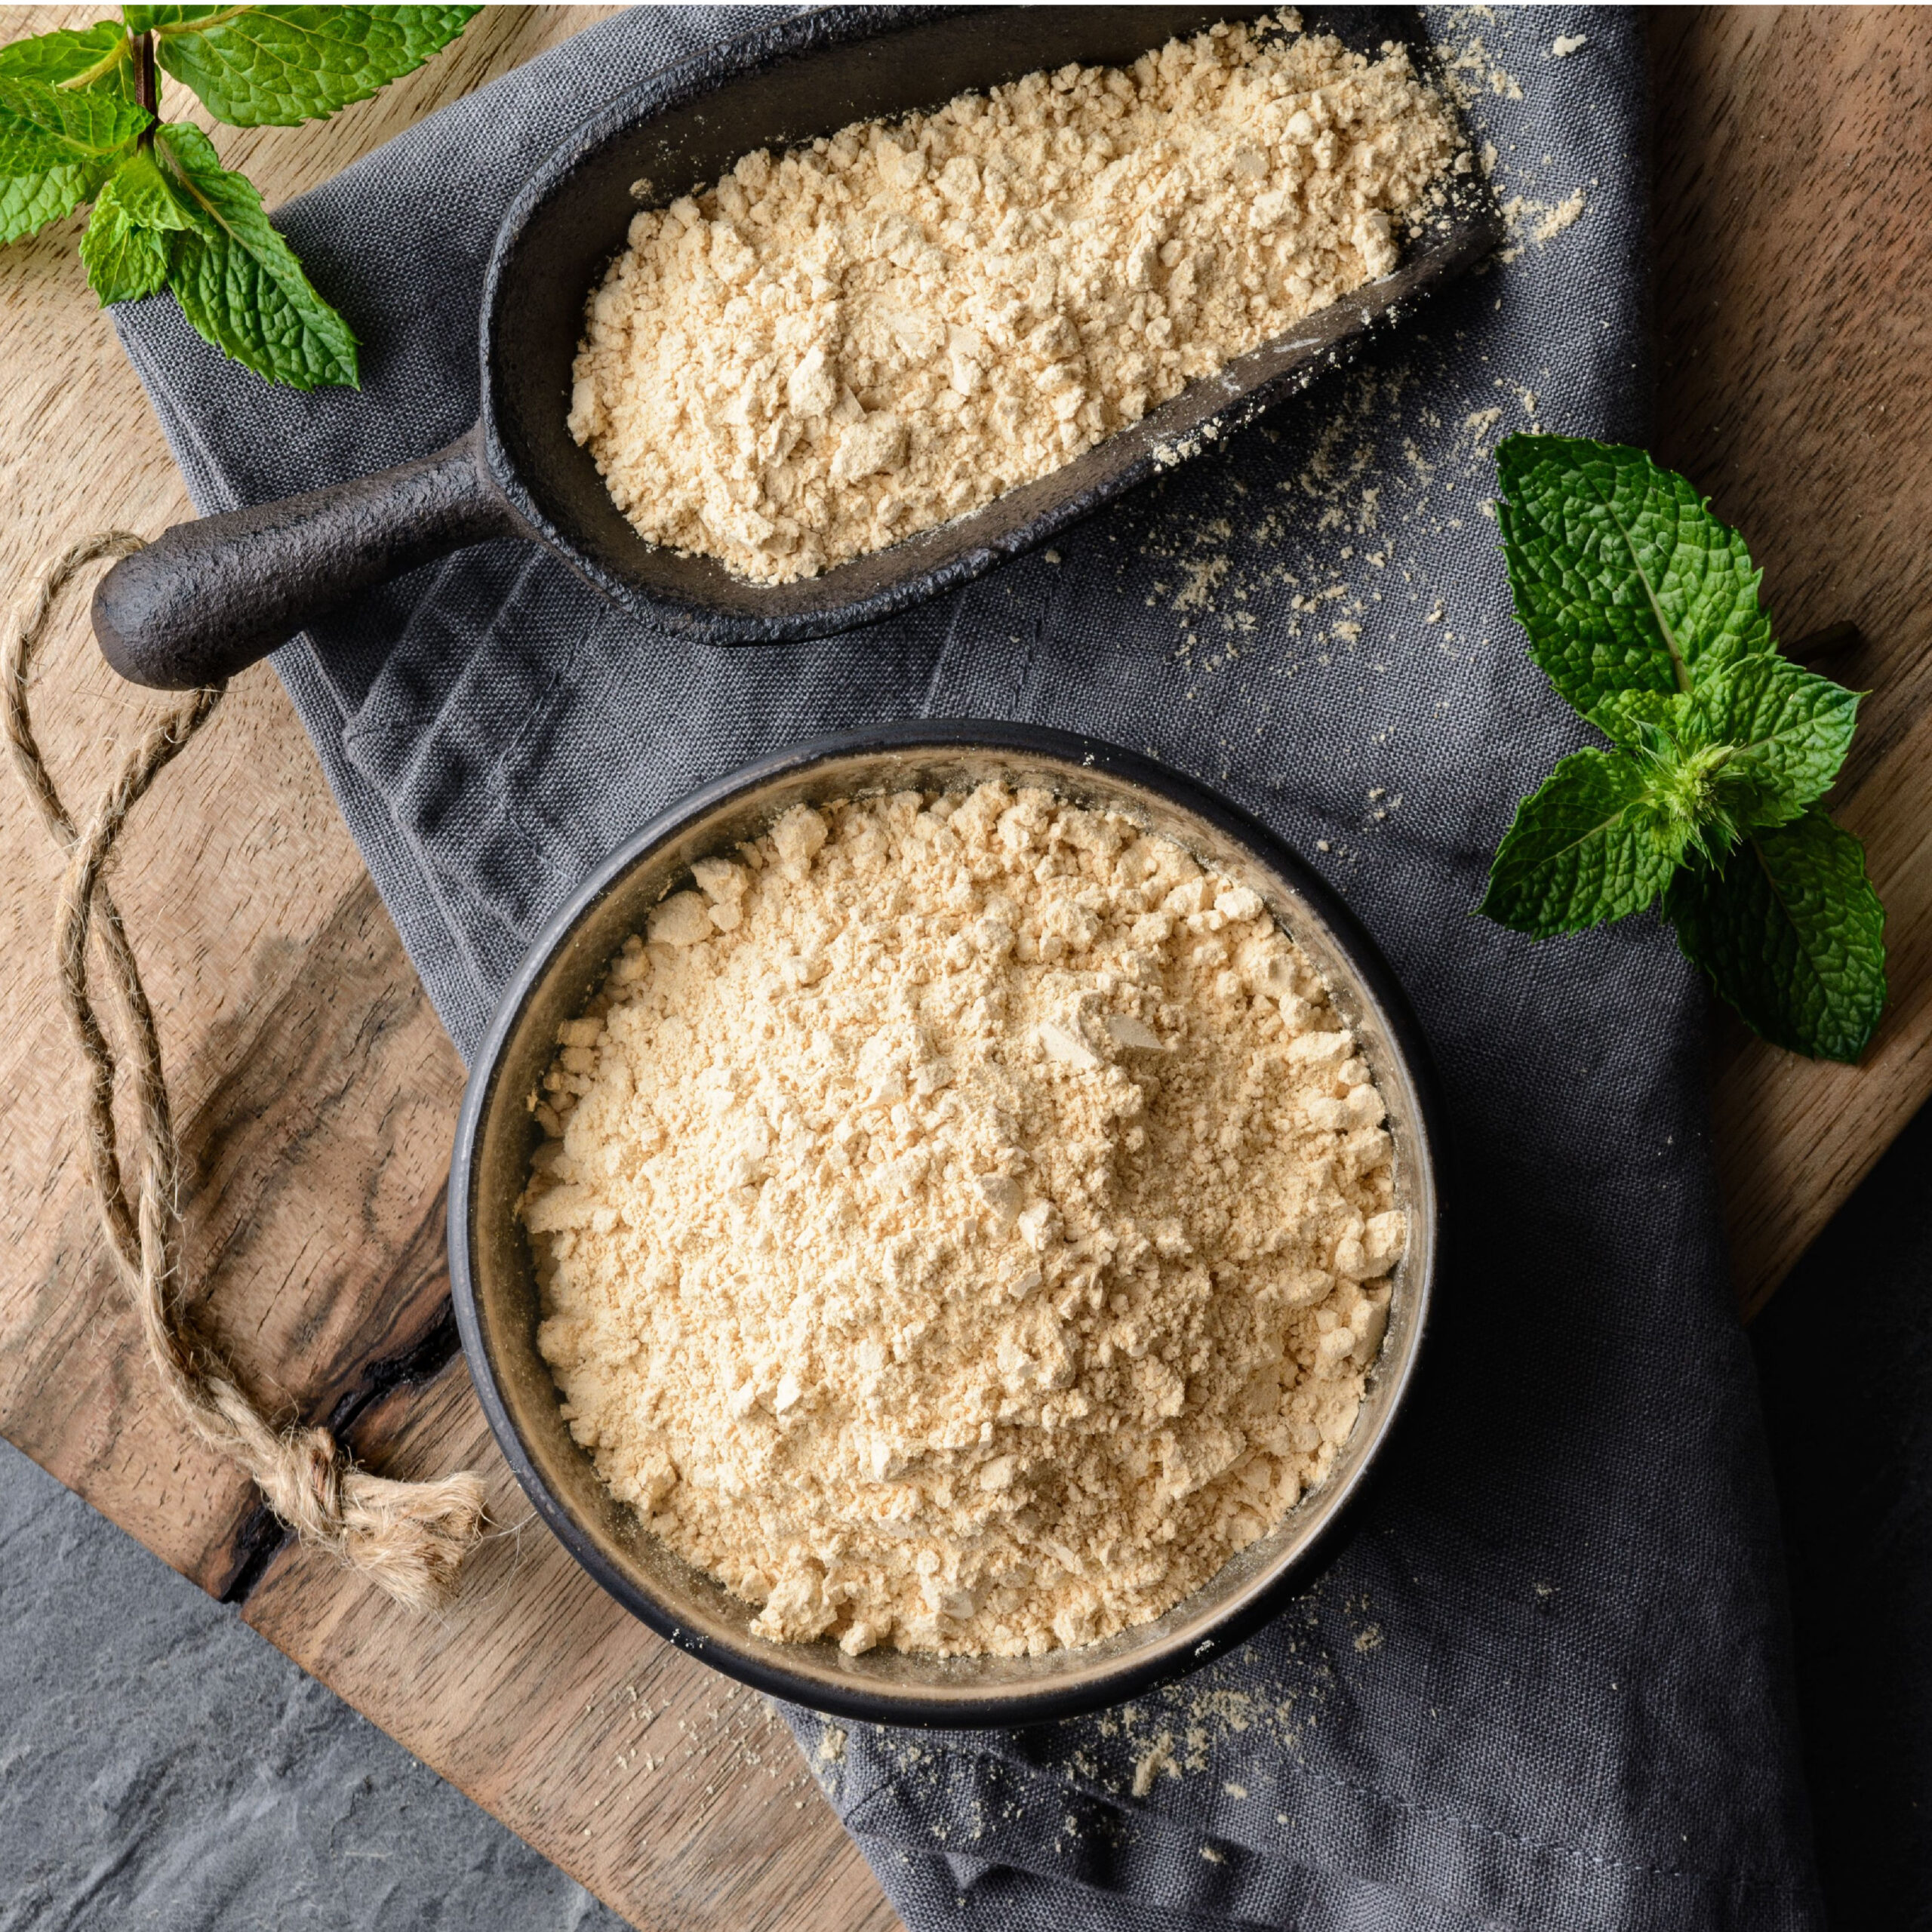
[
  {"x": 962, "y": 1223},
  {"x": 822, "y": 353}
]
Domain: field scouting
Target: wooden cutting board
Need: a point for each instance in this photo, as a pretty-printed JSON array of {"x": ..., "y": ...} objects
[{"x": 317, "y": 1092}]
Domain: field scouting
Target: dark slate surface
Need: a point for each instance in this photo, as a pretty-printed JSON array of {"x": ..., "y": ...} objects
[
  {"x": 1844, "y": 1356},
  {"x": 162, "y": 1767}
]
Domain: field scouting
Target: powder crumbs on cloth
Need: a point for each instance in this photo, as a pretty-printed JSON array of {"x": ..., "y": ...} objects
[
  {"x": 963, "y": 1224},
  {"x": 824, "y": 353}
]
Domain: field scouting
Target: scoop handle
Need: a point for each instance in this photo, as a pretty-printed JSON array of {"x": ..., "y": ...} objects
[{"x": 206, "y": 598}]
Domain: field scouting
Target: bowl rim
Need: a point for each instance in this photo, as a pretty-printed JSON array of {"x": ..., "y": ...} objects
[{"x": 1133, "y": 1674}]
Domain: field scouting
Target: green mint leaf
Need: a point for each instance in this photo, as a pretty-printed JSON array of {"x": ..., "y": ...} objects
[
  {"x": 1792, "y": 934},
  {"x": 1622, "y": 577},
  {"x": 138, "y": 189},
  {"x": 43, "y": 127},
  {"x": 124, "y": 260},
  {"x": 239, "y": 282},
  {"x": 255, "y": 66},
  {"x": 125, "y": 248},
  {"x": 1591, "y": 846},
  {"x": 100, "y": 57},
  {"x": 1637, "y": 720},
  {"x": 65, "y": 116},
  {"x": 1787, "y": 730},
  {"x": 29, "y": 201}
]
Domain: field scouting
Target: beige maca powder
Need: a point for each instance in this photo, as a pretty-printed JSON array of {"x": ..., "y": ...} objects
[
  {"x": 826, "y": 353},
  {"x": 963, "y": 1225}
]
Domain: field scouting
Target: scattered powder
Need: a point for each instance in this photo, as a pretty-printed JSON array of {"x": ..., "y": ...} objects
[
  {"x": 1565, "y": 44},
  {"x": 1472, "y": 73},
  {"x": 824, "y": 354},
  {"x": 1540, "y": 221},
  {"x": 1565, "y": 214},
  {"x": 1158, "y": 1757},
  {"x": 963, "y": 1225},
  {"x": 1203, "y": 574}
]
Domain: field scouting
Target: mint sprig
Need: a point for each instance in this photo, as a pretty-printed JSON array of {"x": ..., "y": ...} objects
[
  {"x": 1644, "y": 611},
  {"x": 77, "y": 124}
]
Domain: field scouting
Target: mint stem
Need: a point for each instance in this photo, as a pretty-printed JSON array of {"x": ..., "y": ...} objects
[{"x": 144, "y": 87}]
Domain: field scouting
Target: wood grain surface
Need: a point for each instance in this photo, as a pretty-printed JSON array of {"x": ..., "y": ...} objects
[
  {"x": 316, "y": 1092},
  {"x": 1793, "y": 193}
]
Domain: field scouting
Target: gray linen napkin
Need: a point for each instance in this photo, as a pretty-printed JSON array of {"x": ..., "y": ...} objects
[{"x": 1545, "y": 1683}]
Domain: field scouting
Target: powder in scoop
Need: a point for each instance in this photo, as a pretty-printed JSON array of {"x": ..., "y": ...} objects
[
  {"x": 963, "y": 1225},
  {"x": 866, "y": 338}
]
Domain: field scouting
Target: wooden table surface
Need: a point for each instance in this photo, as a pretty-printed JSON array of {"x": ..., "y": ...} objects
[{"x": 316, "y": 1092}]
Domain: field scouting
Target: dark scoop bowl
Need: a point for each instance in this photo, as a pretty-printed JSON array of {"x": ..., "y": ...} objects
[
  {"x": 816, "y": 77},
  {"x": 495, "y": 1290},
  {"x": 209, "y": 596}
]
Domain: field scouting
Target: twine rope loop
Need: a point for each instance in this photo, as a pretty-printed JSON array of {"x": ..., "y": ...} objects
[{"x": 410, "y": 1537}]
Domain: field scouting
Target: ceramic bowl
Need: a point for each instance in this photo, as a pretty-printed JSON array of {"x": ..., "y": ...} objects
[{"x": 495, "y": 1288}]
